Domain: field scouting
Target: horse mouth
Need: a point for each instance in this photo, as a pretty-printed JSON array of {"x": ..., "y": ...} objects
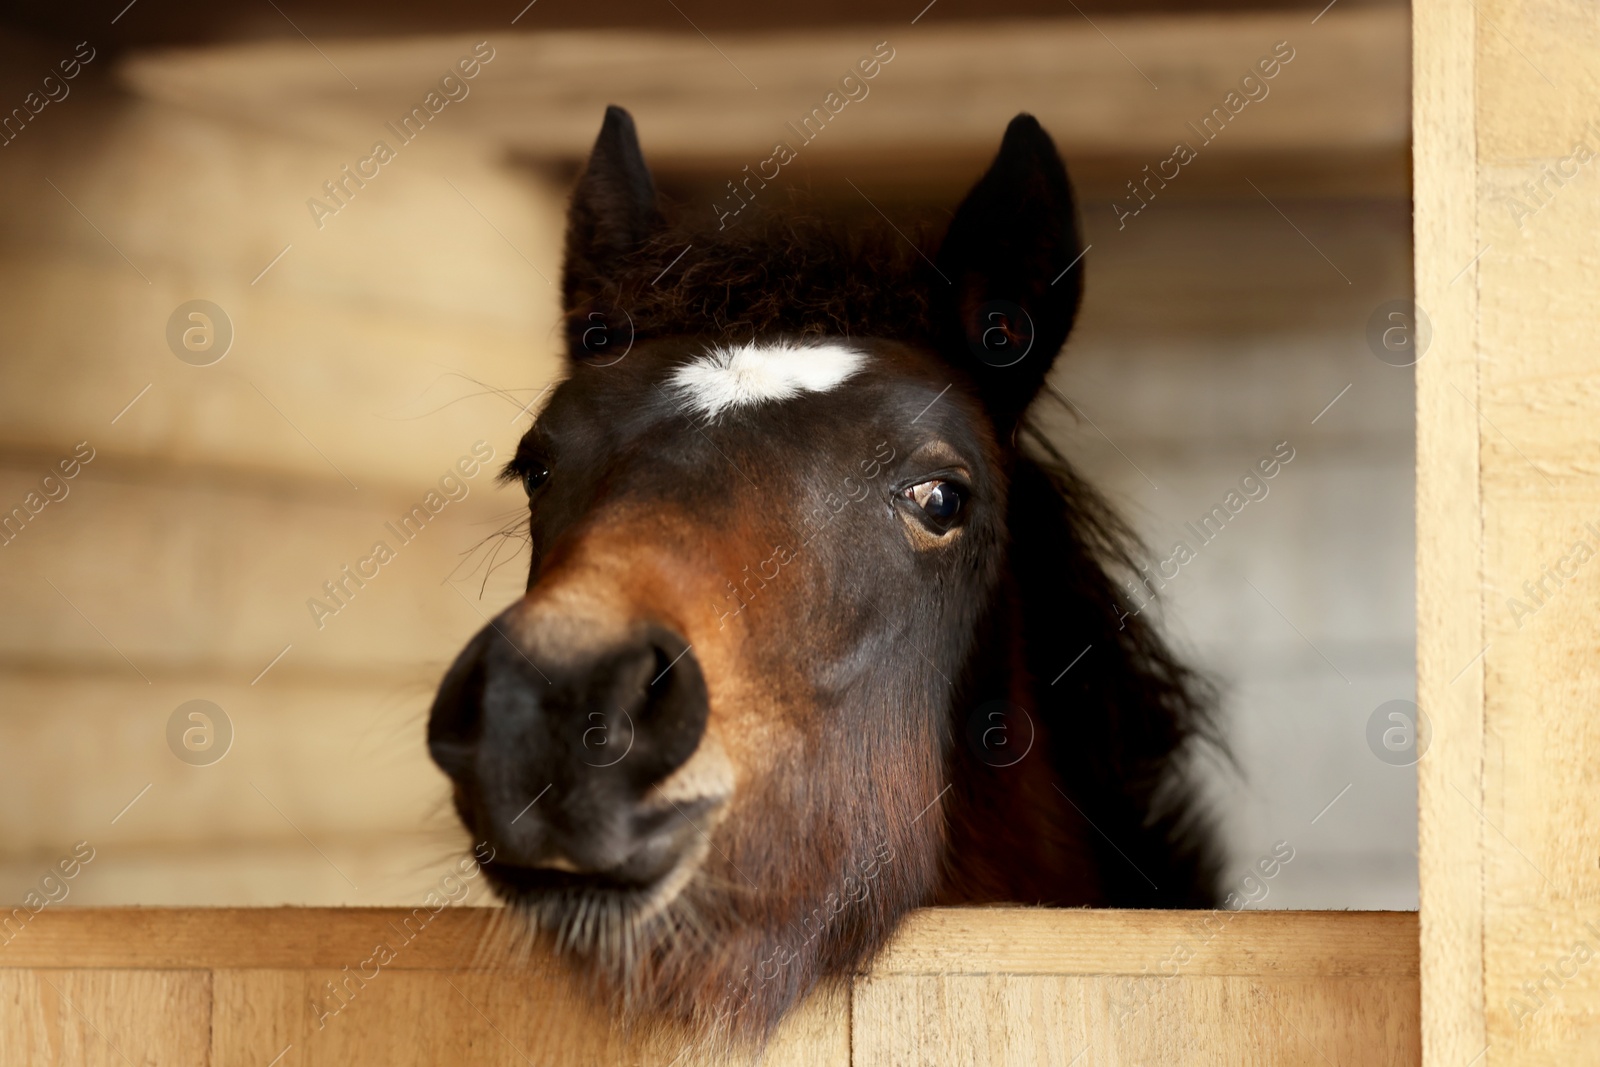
[{"x": 557, "y": 896}]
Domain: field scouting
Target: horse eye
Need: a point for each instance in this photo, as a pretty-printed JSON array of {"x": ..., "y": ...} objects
[
  {"x": 534, "y": 477},
  {"x": 940, "y": 501}
]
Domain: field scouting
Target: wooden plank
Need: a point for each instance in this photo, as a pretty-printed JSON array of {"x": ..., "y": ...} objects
[
  {"x": 383, "y": 394},
  {"x": 105, "y": 1018},
  {"x": 935, "y": 179},
  {"x": 933, "y": 940},
  {"x": 948, "y": 89},
  {"x": 1537, "y": 96},
  {"x": 105, "y": 739},
  {"x": 330, "y": 1019},
  {"x": 1450, "y": 608},
  {"x": 225, "y": 576},
  {"x": 361, "y": 18},
  {"x": 1019, "y": 1021},
  {"x": 979, "y": 941}
]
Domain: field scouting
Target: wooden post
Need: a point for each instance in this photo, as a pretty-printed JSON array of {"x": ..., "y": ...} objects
[
  {"x": 1507, "y": 213},
  {"x": 1449, "y": 535}
]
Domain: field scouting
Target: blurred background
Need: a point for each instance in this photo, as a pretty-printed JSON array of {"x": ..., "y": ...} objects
[{"x": 224, "y": 467}]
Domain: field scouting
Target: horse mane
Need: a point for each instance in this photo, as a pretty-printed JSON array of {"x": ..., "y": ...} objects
[{"x": 1130, "y": 719}]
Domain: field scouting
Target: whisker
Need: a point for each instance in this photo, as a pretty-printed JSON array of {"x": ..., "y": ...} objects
[
  {"x": 487, "y": 390},
  {"x": 514, "y": 530},
  {"x": 449, "y": 403}
]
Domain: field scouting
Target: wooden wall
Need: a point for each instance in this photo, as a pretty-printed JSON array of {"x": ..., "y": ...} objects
[{"x": 220, "y": 498}]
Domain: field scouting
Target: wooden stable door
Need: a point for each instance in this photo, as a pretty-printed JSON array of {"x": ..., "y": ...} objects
[{"x": 991, "y": 986}]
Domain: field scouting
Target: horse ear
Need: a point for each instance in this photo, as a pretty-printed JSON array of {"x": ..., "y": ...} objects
[
  {"x": 1012, "y": 262},
  {"x": 613, "y": 210}
]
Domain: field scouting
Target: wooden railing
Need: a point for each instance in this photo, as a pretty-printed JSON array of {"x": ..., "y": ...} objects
[{"x": 248, "y": 988}]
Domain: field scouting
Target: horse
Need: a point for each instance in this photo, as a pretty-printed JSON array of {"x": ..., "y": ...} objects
[{"x": 819, "y": 628}]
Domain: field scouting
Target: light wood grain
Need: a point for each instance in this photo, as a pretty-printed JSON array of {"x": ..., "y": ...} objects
[
  {"x": 1017, "y": 1021},
  {"x": 947, "y": 92},
  {"x": 1037, "y": 941},
  {"x": 104, "y": 1018},
  {"x": 932, "y": 941},
  {"x": 1507, "y": 405},
  {"x": 221, "y": 498},
  {"x": 1449, "y": 536},
  {"x": 424, "y": 1018},
  {"x": 1539, "y": 390},
  {"x": 960, "y": 986},
  {"x": 225, "y": 575},
  {"x": 97, "y": 741},
  {"x": 364, "y": 341}
]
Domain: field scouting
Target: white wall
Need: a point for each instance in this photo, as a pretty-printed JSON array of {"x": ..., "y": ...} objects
[{"x": 1211, "y": 332}]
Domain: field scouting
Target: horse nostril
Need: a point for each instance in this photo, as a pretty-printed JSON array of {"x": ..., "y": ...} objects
[
  {"x": 675, "y": 705},
  {"x": 643, "y": 708}
]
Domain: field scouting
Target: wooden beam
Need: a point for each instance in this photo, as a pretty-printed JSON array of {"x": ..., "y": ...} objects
[
  {"x": 1108, "y": 941},
  {"x": 205, "y": 22},
  {"x": 1122, "y": 88},
  {"x": 933, "y": 941}
]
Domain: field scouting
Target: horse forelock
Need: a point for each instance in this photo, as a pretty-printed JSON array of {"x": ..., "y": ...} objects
[{"x": 800, "y": 274}]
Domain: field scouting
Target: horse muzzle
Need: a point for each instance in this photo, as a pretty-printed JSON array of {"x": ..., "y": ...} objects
[{"x": 571, "y": 761}]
